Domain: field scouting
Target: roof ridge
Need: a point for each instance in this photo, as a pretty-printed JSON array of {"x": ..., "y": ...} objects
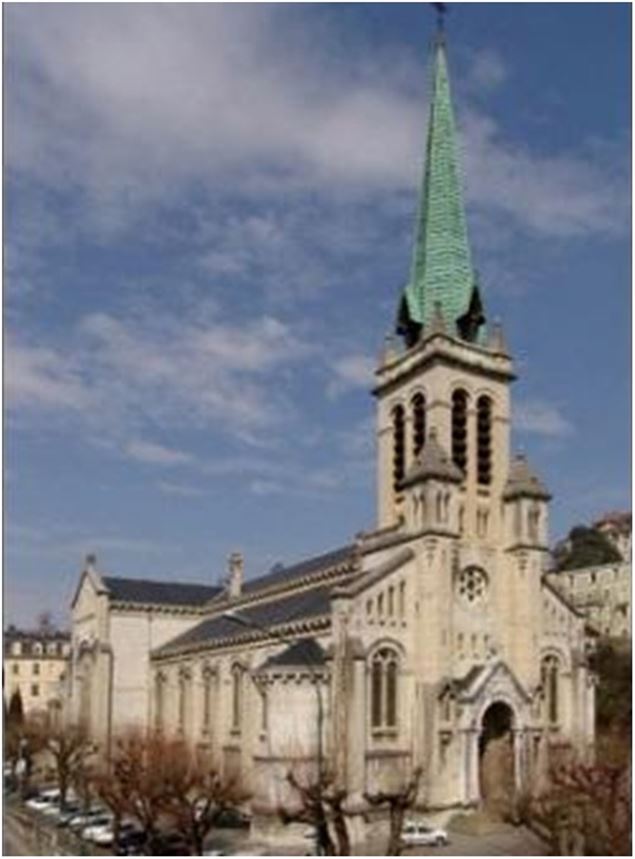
[{"x": 171, "y": 582}]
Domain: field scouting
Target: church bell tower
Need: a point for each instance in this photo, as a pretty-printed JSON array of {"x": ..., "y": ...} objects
[{"x": 446, "y": 374}]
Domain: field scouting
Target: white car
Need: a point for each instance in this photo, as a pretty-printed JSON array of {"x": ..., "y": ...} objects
[
  {"x": 105, "y": 835},
  {"x": 96, "y": 826},
  {"x": 420, "y": 835},
  {"x": 44, "y": 800}
]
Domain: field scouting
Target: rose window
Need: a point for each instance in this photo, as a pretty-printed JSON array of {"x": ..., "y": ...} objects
[{"x": 472, "y": 585}]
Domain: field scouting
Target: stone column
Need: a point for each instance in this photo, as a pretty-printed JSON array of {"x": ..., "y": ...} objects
[
  {"x": 518, "y": 735},
  {"x": 357, "y": 730},
  {"x": 471, "y": 791}
]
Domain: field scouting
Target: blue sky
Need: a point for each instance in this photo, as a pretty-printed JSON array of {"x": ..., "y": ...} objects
[{"x": 209, "y": 213}]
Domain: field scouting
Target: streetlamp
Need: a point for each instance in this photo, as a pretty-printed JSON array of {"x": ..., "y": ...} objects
[{"x": 321, "y": 831}]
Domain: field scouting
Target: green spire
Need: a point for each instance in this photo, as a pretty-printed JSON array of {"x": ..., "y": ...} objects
[{"x": 441, "y": 272}]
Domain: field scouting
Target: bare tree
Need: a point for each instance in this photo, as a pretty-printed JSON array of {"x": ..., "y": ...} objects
[
  {"x": 320, "y": 803},
  {"x": 398, "y": 800},
  {"x": 139, "y": 772},
  {"x": 112, "y": 792},
  {"x": 69, "y": 746},
  {"x": 196, "y": 794},
  {"x": 585, "y": 809}
]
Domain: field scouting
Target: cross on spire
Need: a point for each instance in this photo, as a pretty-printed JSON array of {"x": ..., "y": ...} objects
[{"x": 442, "y": 11}]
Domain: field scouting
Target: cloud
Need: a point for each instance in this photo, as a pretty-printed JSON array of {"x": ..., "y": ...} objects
[
  {"x": 350, "y": 372},
  {"x": 127, "y": 107},
  {"x": 563, "y": 196},
  {"x": 180, "y": 490},
  {"x": 541, "y": 418},
  {"x": 487, "y": 70},
  {"x": 39, "y": 377},
  {"x": 156, "y": 454},
  {"x": 120, "y": 374},
  {"x": 64, "y": 542}
]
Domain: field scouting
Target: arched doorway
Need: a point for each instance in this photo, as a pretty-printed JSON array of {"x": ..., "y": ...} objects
[{"x": 496, "y": 759}]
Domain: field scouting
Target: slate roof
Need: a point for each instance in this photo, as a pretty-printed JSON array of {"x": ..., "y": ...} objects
[
  {"x": 148, "y": 591},
  {"x": 306, "y": 652},
  {"x": 284, "y": 575},
  {"x": 433, "y": 461},
  {"x": 523, "y": 482},
  {"x": 299, "y": 606}
]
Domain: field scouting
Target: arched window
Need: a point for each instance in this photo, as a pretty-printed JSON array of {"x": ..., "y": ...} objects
[
  {"x": 418, "y": 422},
  {"x": 237, "y": 695},
  {"x": 184, "y": 695},
  {"x": 459, "y": 429},
  {"x": 533, "y": 522},
  {"x": 402, "y": 600},
  {"x": 158, "y": 701},
  {"x": 399, "y": 446},
  {"x": 384, "y": 676},
  {"x": 207, "y": 698},
  {"x": 550, "y": 671},
  {"x": 484, "y": 440}
]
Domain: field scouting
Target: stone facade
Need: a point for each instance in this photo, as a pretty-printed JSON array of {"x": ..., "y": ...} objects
[
  {"x": 602, "y": 594},
  {"x": 36, "y": 663},
  {"x": 431, "y": 636}
]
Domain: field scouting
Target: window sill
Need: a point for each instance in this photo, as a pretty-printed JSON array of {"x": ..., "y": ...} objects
[{"x": 384, "y": 733}]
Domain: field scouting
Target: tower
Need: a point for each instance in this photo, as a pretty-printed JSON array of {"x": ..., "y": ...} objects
[{"x": 452, "y": 376}]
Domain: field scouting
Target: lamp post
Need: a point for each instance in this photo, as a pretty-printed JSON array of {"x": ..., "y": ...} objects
[{"x": 321, "y": 833}]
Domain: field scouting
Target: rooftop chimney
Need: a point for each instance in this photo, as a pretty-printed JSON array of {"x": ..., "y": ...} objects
[
  {"x": 235, "y": 568},
  {"x": 90, "y": 564}
]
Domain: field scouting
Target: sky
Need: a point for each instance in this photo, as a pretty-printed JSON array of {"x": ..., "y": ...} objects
[{"x": 209, "y": 214}]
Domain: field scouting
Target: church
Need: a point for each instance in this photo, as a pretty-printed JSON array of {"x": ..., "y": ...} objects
[{"x": 430, "y": 638}]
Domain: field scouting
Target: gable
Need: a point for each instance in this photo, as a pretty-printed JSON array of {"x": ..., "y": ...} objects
[{"x": 88, "y": 588}]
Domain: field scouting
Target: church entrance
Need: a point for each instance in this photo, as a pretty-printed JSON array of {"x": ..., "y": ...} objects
[{"x": 496, "y": 759}]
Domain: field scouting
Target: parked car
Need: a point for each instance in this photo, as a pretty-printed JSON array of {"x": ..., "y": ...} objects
[
  {"x": 105, "y": 835},
  {"x": 96, "y": 825},
  {"x": 233, "y": 818},
  {"x": 130, "y": 843},
  {"x": 72, "y": 809},
  {"x": 171, "y": 844},
  {"x": 85, "y": 818},
  {"x": 420, "y": 835},
  {"x": 43, "y": 800}
]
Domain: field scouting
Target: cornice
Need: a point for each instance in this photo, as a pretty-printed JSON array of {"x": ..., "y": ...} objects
[{"x": 443, "y": 349}]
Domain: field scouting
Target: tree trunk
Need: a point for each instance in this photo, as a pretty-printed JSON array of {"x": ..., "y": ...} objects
[
  {"x": 394, "y": 847},
  {"x": 341, "y": 833},
  {"x": 63, "y": 782}
]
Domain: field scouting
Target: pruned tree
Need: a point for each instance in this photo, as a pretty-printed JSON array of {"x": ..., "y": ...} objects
[
  {"x": 112, "y": 792},
  {"x": 586, "y": 809},
  {"x": 320, "y": 803},
  {"x": 69, "y": 746},
  {"x": 196, "y": 794},
  {"x": 398, "y": 800},
  {"x": 139, "y": 769}
]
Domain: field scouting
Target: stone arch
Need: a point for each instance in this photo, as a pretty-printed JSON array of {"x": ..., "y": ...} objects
[{"x": 496, "y": 756}]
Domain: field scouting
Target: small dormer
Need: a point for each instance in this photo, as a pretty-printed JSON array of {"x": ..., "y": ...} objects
[
  {"x": 525, "y": 498},
  {"x": 429, "y": 487}
]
